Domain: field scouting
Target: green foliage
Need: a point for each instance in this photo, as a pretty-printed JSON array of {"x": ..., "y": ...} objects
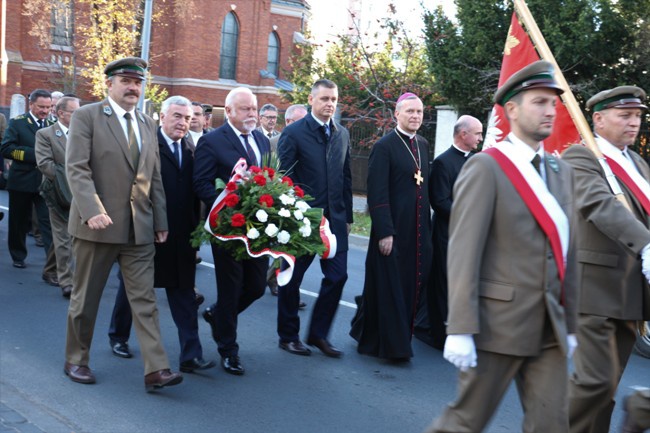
[{"x": 599, "y": 44}]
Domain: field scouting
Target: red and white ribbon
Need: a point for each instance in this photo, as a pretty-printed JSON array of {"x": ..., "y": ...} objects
[{"x": 328, "y": 238}]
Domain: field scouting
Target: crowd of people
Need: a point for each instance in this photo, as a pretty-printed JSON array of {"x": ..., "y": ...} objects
[{"x": 530, "y": 259}]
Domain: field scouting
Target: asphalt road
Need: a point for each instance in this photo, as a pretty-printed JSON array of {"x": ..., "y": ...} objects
[{"x": 279, "y": 393}]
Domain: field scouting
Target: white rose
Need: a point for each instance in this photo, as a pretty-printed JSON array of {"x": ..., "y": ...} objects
[
  {"x": 261, "y": 215},
  {"x": 283, "y": 237},
  {"x": 305, "y": 231},
  {"x": 253, "y": 233},
  {"x": 284, "y": 213},
  {"x": 298, "y": 215},
  {"x": 302, "y": 205},
  {"x": 271, "y": 230},
  {"x": 306, "y": 221},
  {"x": 286, "y": 200}
]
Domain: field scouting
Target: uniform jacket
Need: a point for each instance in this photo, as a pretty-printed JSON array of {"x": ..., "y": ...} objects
[
  {"x": 216, "y": 154},
  {"x": 50, "y": 159},
  {"x": 502, "y": 274},
  {"x": 175, "y": 260},
  {"x": 610, "y": 241},
  {"x": 18, "y": 144},
  {"x": 322, "y": 168},
  {"x": 103, "y": 179}
]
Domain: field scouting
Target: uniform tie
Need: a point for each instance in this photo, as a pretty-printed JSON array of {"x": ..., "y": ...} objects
[
  {"x": 133, "y": 141},
  {"x": 249, "y": 150},
  {"x": 536, "y": 162}
]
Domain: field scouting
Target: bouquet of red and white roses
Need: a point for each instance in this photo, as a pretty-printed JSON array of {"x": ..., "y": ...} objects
[{"x": 261, "y": 212}]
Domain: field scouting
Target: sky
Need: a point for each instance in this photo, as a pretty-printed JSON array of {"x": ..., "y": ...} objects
[{"x": 330, "y": 17}]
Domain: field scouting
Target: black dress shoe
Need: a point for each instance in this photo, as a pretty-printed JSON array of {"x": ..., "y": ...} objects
[
  {"x": 121, "y": 349},
  {"x": 295, "y": 347},
  {"x": 273, "y": 290},
  {"x": 161, "y": 378},
  {"x": 302, "y": 305},
  {"x": 50, "y": 278},
  {"x": 232, "y": 365},
  {"x": 196, "y": 364},
  {"x": 198, "y": 298},
  {"x": 210, "y": 317},
  {"x": 19, "y": 264},
  {"x": 325, "y": 347},
  {"x": 66, "y": 291}
]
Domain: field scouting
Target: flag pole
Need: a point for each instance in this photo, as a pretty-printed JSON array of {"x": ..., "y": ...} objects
[{"x": 569, "y": 99}]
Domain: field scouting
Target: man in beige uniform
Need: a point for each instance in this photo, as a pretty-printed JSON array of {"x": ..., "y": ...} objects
[
  {"x": 118, "y": 211},
  {"x": 613, "y": 251},
  {"x": 511, "y": 282}
]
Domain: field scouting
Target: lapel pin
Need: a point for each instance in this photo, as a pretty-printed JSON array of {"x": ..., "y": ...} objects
[
  {"x": 107, "y": 110},
  {"x": 58, "y": 133},
  {"x": 552, "y": 162}
]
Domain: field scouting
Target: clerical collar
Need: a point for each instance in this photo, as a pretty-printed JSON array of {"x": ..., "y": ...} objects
[
  {"x": 464, "y": 152},
  {"x": 405, "y": 134}
]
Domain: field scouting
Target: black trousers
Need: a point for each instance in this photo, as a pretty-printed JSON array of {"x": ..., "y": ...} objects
[
  {"x": 20, "y": 219},
  {"x": 239, "y": 284}
]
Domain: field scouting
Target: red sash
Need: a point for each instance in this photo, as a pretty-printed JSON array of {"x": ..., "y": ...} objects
[
  {"x": 535, "y": 206},
  {"x": 632, "y": 186}
]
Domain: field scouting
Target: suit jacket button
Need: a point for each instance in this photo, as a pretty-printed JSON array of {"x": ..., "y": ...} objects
[
  {"x": 630, "y": 244},
  {"x": 549, "y": 256}
]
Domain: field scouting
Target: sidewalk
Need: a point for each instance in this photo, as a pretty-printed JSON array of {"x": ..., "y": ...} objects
[{"x": 359, "y": 204}]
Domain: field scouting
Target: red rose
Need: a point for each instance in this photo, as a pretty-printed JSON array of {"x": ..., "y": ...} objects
[
  {"x": 266, "y": 200},
  {"x": 287, "y": 180},
  {"x": 255, "y": 169},
  {"x": 299, "y": 192},
  {"x": 231, "y": 186},
  {"x": 231, "y": 200},
  {"x": 214, "y": 220},
  {"x": 237, "y": 220},
  {"x": 260, "y": 180},
  {"x": 270, "y": 172}
]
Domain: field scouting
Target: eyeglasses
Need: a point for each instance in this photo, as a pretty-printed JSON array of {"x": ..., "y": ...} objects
[{"x": 270, "y": 117}]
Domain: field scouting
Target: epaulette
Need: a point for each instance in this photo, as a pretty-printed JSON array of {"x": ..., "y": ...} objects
[
  {"x": 20, "y": 117},
  {"x": 18, "y": 155}
]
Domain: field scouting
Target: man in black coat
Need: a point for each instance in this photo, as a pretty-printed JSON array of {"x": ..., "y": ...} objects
[
  {"x": 468, "y": 133},
  {"x": 175, "y": 259},
  {"x": 24, "y": 178},
  {"x": 239, "y": 282},
  {"x": 316, "y": 151}
]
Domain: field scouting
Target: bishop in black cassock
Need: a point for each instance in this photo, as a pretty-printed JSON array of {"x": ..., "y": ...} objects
[{"x": 399, "y": 252}]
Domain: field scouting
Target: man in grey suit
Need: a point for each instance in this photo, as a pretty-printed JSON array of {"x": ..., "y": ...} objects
[
  {"x": 613, "y": 254},
  {"x": 118, "y": 211},
  {"x": 512, "y": 268},
  {"x": 268, "y": 119},
  {"x": 50, "y": 159}
]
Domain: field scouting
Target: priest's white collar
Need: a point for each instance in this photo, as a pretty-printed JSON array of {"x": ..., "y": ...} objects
[
  {"x": 410, "y": 136},
  {"x": 464, "y": 152}
]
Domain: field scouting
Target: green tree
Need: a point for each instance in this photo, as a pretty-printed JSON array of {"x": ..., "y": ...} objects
[{"x": 598, "y": 43}]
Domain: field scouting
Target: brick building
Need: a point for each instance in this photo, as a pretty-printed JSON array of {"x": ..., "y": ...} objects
[{"x": 228, "y": 44}]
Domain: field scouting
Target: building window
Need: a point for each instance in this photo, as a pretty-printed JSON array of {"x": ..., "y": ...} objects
[
  {"x": 229, "y": 39},
  {"x": 273, "y": 54},
  {"x": 62, "y": 23}
]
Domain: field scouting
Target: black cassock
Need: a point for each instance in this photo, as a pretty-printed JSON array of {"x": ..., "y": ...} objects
[
  {"x": 383, "y": 325},
  {"x": 444, "y": 172}
]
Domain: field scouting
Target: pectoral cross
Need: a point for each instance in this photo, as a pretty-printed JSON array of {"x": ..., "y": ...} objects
[{"x": 418, "y": 177}]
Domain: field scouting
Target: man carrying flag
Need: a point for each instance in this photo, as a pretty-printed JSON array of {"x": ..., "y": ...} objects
[
  {"x": 614, "y": 255},
  {"x": 511, "y": 250},
  {"x": 518, "y": 53}
]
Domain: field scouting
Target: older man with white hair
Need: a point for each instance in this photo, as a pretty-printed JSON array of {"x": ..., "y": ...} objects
[{"x": 239, "y": 282}]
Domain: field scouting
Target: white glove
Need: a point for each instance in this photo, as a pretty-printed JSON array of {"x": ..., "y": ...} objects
[
  {"x": 572, "y": 343},
  {"x": 645, "y": 262},
  {"x": 460, "y": 351}
]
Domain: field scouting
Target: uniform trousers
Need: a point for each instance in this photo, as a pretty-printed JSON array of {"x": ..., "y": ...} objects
[
  {"x": 541, "y": 383},
  {"x": 604, "y": 347},
  {"x": 20, "y": 222},
  {"x": 239, "y": 284},
  {"x": 335, "y": 274},
  {"x": 94, "y": 261},
  {"x": 182, "y": 305},
  {"x": 638, "y": 408}
]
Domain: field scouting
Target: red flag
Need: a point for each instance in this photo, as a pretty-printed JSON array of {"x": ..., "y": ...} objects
[{"x": 519, "y": 51}]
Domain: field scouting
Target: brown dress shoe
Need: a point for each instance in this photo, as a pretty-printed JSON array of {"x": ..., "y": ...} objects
[
  {"x": 79, "y": 373},
  {"x": 325, "y": 347},
  {"x": 161, "y": 378},
  {"x": 51, "y": 279},
  {"x": 295, "y": 347}
]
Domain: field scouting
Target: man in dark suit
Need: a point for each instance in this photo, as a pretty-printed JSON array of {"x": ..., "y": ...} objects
[
  {"x": 50, "y": 157},
  {"x": 614, "y": 255},
  {"x": 316, "y": 151},
  {"x": 24, "y": 178},
  {"x": 512, "y": 295},
  {"x": 239, "y": 282},
  {"x": 174, "y": 263},
  {"x": 117, "y": 213},
  {"x": 468, "y": 133}
]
